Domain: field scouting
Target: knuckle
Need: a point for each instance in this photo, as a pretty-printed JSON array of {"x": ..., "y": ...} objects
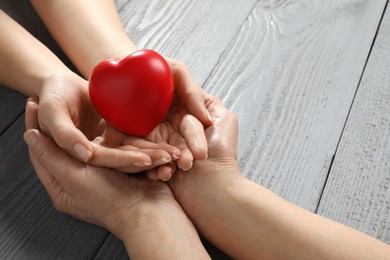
[
  {"x": 179, "y": 65},
  {"x": 188, "y": 123},
  {"x": 42, "y": 157},
  {"x": 58, "y": 205},
  {"x": 61, "y": 136}
]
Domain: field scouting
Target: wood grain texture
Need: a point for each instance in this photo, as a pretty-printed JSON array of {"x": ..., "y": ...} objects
[
  {"x": 289, "y": 72},
  {"x": 290, "y": 76},
  {"x": 30, "y": 228},
  {"x": 112, "y": 249},
  {"x": 23, "y": 13},
  {"x": 357, "y": 192},
  {"x": 195, "y": 32},
  {"x": 12, "y": 103},
  {"x": 12, "y": 106}
]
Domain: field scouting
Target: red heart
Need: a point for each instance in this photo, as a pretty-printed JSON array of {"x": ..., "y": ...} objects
[{"x": 133, "y": 94}]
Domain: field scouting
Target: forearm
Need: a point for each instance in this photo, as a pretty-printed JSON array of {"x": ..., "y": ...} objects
[
  {"x": 249, "y": 222},
  {"x": 161, "y": 232},
  {"x": 24, "y": 61},
  {"x": 88, "y": 31}
]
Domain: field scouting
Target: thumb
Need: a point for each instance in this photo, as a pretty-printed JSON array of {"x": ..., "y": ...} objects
[
  {"x": 192, "y": 95},
  {"x": 31, "y": 113},
  {"x": 46, "y": 177},
  {"x": 57, "y": 123},
  {"x": 195, "y": 103}
]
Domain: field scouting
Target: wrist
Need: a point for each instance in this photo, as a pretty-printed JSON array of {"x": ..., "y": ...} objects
[
  {"x": 206, "y": 179},
  {"x": 117, "y": 49},
  {"x": 140, "y": 219},
  {"x": 204, "y": 176},
  {"x": 61, "y": 78},
  {"x": 159, "y": 228}
]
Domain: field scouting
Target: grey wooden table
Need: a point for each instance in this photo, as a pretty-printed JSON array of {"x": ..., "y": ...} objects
[{"x": 308, "y": 79}]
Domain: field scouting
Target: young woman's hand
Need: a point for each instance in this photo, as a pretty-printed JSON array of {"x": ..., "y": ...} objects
[
  {"x": 179, "y": 129},
  {"x": 65, "y": 112}
]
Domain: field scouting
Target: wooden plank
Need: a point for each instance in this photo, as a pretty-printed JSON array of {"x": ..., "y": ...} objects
[
  {"x": 23, "y": 13},
  {"x": 195, "y": 32},
  {"x": 11, "y": 106},
  {"x": 357, "y": 192},
  {"x": 12, "y": 103},
  {"x": 30, "y": 228},
  {"x": 290, "y": 77},
  {"x": 114, "y": 249}
]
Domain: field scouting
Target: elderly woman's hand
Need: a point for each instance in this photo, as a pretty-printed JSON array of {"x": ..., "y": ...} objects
[{"x": 142, "y": 213}]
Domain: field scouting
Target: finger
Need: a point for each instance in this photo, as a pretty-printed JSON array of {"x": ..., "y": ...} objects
[
  {"x": 53, "y": 188},
  {"x": 186, "y": 159},
  {"x": 165, "y": 172},
  {"x": 31, "y": 114},
  {"x": 158, "y": 157},
  {"x": 224, "y": 119},
  {"x": 144, "y": 144},
  {"x": 152, "y": 174},
  {"x": 48, "y": 181},
  {"x": 216, "y": 107},
  {"x": 56, "y": 120},
  {"x": 119, "y": 158},
  {"x": 194, "y": 135},
  {"x": 190, "y": 93},
  {"x": 53, "y": 159},
  {"x": 128, "y": 159}
]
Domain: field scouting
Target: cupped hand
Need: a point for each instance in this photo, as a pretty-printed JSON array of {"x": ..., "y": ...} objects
[
  {"x": 97, "y": 195},
  {"x": 222, "y": 138},
  {"x": 179, "y": 129},
  {"x": 66, "y": 113},
  {"x": 183, "y": 127},
  {"x": 188, "y": 110}
]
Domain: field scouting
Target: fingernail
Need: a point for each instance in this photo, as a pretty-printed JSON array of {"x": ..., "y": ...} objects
[
  {"x": 174, "y": 157},
  {"x": 161, "y": 161},
  {"x": 188, "y": 167},
  {"x": 82, "y": 152},
  {"x": 142, "y": 164},
  {"x": 168, "y": 178},
  {"x": 30, "y": 138}
]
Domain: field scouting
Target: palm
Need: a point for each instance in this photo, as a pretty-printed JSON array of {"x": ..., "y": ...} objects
[
  {"x": 70, "y": 99},
  {"x": 66, "y": 113},
  {"x": 182, "y": 130},
  {"x": 174, "y": 135}
]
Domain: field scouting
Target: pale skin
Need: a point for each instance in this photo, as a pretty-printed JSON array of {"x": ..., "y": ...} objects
[
  {"x": 239, "y": 216},
  {"x": 65, "y": 110},
  {"x": 95, "y": 33}
]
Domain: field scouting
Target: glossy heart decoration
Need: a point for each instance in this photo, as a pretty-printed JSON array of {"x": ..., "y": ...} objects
[{"x": 133, "y": 94}]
